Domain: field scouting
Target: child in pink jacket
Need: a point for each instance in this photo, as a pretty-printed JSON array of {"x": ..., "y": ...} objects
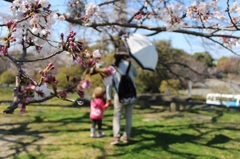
[{"x": 97, "y": 106}]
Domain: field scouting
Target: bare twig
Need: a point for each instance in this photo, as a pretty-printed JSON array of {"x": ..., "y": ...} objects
[{"x": 41, "y": 59}]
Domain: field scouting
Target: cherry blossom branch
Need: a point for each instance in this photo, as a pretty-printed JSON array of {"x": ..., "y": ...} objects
[
  {"x": 221, "y": 44},
  {"x": 183, "y": 65},
  {"x": 41, "y": 59},
  {"x": 159, "y": 29},
  {"x": 133, "y": 16},
  {"x": 45, "y": 39},
  {"x": 112, "y": 39},
  {"x": 229, "y": 15},
  {"x": 18, "y": 21},
  {"x": 108, "y": 2},
  {"x": 154, "y": 33}
]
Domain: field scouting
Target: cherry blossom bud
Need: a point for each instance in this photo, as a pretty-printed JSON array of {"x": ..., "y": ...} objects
[
  {"x": 21, "y": 90},
  {"x": 38, "y": 48},
  {"x": 62, "y": 36},
  {"x": 20, "y": 105},
  {"x": 62, "y": 94},
  {"x": 85, "y": 84},
  {"x": 4, "y": 50},
  {"x": 90, "y": 63},
  {"x": 74, "y": 80},
  {"x": 56, "y": 81},
  {"x": 81, "y": 93},
  {"x": 67, "y": 76},
  {"x": 40, "y": 72},
  {"x": 138, "y": 16},
  {"x": 79, "y": 87},
  {"x": 30, "y": 87},
  {"x": 28, "y": 99},
  {"x": 109, "y": 70},
  {"x": 50, "y": 64},
  {"x": 52, "y": 67},
  {"x": 23, "y": 109}
]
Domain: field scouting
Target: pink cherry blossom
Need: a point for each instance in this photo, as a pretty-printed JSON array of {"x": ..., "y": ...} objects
[
  {"x": 91, "y": 9},
  {"x": 85, "y": 84},
  {"x": 30, "y": 87}
]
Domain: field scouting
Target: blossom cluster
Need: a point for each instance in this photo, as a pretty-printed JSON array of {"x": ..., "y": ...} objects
[
  {"x": 11, "y": 26},
  {"x": 91, "y": 10},
  {"x": 33, "y": 20},
  {"x": 77, "y": 51},
  {"x": 175, "y": 16},
  {"x": 36, "y": 16}
]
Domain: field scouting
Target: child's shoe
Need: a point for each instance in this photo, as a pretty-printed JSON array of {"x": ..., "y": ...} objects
[
  {"x": 92, "y": 133},
  {"x": 100, "y": 134}
]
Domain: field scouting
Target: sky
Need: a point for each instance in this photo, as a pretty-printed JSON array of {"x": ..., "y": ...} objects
[{"x": 190, "y": 44}]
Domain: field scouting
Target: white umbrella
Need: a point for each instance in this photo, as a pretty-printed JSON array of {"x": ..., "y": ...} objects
[{"x": 143, "y": 51}]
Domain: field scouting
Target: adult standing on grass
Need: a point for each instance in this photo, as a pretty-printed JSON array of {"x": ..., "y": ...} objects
[{"x": 122, "y": 66}]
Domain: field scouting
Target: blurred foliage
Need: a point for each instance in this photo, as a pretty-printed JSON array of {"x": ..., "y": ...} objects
[
  {"x": 222, "y": 89},
  {"x": 170, "y": 86},
  {"x": 205, "y": 58},
  {"x": 7, "y": 77},
  {"x": 228, "y": 65},
  {"x": 96, "y": 81},
  {"x": 71, "y": 71},
  {"x": 149, "y": 82}
]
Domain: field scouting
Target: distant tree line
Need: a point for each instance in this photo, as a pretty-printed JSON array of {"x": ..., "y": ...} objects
[{"x": 174, "y": 69}]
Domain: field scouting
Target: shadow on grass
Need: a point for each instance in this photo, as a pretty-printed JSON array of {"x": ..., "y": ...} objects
[
  {"x": 150, "y": 138},
  {"x": 17, "y": 137},
  {"x": 146, "y": 137},
  {"x": 165, "y": 140}
]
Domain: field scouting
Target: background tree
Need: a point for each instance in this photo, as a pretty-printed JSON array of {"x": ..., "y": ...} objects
[
  {"x": 204, "y": 19},
  {"x": 30, "y": 28},
  {"x": 172, "y": 64},
  {"x": 7, "y": 78},
  {"x": 4, "y": 65},
  {"x": 171, "y": 86},
  {"x": 212, "y": 20},
  {"x": 205, "y": 58},
  {"x": 69, "y": 72},
  {"x": 228, "y": 65}
]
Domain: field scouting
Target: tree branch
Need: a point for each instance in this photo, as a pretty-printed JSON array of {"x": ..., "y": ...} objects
[
  {"x": 230, "y": 17},
  {"x": 9, "y": 1},
  {"x": 41, "y": 59},
  {"x": 223, "y": 46}
]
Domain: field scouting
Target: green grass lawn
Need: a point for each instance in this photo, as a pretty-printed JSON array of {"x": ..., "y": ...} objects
[{"x": 60, "y": 130}]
